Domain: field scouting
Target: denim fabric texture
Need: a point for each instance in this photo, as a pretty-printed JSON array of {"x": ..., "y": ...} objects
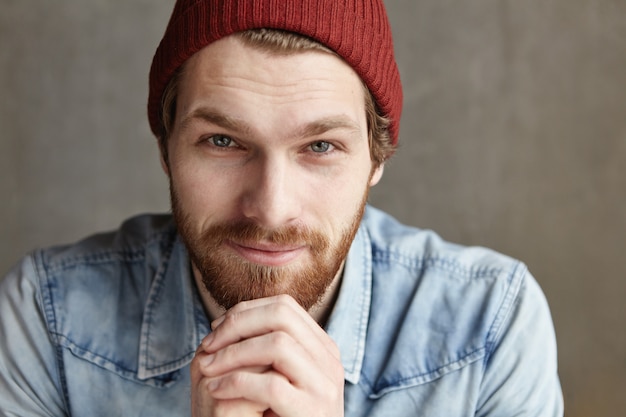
[{"x": 108, "y": 327}]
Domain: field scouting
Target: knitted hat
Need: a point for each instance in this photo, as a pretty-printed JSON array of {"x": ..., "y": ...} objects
[{"x": 357, "y": 30}]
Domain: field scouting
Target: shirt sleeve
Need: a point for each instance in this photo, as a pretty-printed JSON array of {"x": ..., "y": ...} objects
[
  {"x": 29, "y": 375},
  {"x": 521, "y": 370}
]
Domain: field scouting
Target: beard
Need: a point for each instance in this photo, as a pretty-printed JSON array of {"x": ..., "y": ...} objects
[{"x": 231, "y": 279}]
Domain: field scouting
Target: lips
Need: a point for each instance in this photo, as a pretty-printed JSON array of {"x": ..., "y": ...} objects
[{"x": 266, "y": 253}]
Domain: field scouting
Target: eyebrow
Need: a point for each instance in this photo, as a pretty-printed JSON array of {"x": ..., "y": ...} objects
[
  {"x": 326, "y": 124},
  {"x": 314, "y": 128},
  {"x": 216, "y": 118}
]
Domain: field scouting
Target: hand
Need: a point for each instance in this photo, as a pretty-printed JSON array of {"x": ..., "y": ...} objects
[
  {"x": 267, "y": 357},
  {"x": 203, "y": 404}
]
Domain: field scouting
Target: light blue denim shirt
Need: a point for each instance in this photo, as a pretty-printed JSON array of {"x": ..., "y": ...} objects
[{"x": 108, "y": 327}]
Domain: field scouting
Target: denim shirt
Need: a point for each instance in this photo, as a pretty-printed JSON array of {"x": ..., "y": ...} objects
[{"x": 108, "y": 327}]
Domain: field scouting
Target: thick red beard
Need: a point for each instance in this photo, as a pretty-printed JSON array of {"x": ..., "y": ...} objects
[{"x": 230, "y": 279}]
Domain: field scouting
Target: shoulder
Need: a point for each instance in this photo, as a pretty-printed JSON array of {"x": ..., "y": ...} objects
[
  {"x": 130, "y": 241},
  {"x": 105, "y": 260},
  {"x": 104, "y": 263},
  {"x": 418, "y": 250},
  {"x": 98, "y": 311},
  {"x": 447, "y": 304},
  {"x": 103, "y": 281}
]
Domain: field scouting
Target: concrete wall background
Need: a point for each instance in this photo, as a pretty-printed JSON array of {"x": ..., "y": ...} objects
[{"x": 513, "y": 137}]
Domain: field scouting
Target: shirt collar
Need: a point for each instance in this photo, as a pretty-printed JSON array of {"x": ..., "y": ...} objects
[
  {"x": 174, "y": 322},
  {"x": 348, "y": 322}
]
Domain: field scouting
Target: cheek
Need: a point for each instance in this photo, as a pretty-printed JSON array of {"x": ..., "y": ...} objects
[
  {"x": 339, "y": 202},
  {"x": 202, "y": 193}
]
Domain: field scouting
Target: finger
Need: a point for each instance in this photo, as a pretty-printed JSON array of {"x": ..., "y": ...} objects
[
  {"x": 273, "y": 391},
  {"x": 207, "y": 405},
  {"x": 235, "y": 408},
  {"x": 200, "y": 367},
  {"x": 276, "y": 350},
  {"x": 204, "y": 404},
  {"x": 257, "y": 317},
  {"x": 260, "y": 302},
  {"x": 307, "y": 376},
  {"x": 269, "y": 390}
]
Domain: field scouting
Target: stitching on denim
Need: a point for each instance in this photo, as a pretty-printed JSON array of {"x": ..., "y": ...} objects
[
  {"x": 514, "y": 280},
  {"x": 367, "y": 293},
  {"x": 419, "y": 263},
  {"x": 152, "y": 299},
  {"x": 368, "y": 383},
  {"x": 122, "y": 254},
  {"x": 45, "y": 293},
  {"x": 423, "y": 378},
  {"x": 47, "y": 270},
  {"x": 108, "y": 364}
]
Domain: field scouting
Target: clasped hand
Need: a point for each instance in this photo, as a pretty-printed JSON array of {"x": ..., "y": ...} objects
[{"x": 267, "y": 357}]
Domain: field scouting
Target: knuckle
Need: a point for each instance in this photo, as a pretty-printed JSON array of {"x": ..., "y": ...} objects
[
  {"x": 237, "y": 380},
  {"x": 276, "y": 387},
  {"x": 229, "y": 354},
  {"x": 285, "y": 299},
  {"x": 281, "y": 310},
  {"x": 230, "y": 319},
  {"x": 280, "y": 340},
  {"x": 331, "y": 392},
  {"x": 242, "y": 305}
]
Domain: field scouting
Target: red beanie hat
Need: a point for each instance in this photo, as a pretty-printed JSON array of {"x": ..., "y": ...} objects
[{"x": 357, "y": 30}]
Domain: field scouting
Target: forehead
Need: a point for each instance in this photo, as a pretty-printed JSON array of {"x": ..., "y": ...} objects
[
  {"x": 237, "y": 77},
  {"x": 277, "y": 95}
]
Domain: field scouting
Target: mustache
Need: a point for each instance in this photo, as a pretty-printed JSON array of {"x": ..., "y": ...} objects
[{"x": 243, "y": 231}]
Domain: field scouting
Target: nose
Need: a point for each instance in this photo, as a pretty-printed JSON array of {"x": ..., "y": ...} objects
[{"x": 271, "y": 198}]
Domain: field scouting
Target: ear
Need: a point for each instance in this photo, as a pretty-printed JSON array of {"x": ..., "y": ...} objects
[
  {"x": 163, "y": 158},
  {"x": 377, "y": 175}
]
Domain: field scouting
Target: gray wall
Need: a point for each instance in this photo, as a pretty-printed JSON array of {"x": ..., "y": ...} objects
[{"x": 513, "y": 137}]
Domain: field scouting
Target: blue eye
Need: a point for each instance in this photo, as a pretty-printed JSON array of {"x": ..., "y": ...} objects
[
  {"x": 320, "y": 147},
  {"x": 221, "y": 141}
]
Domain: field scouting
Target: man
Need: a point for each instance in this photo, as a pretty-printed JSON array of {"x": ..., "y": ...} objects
[{"x": 274, "y": 290}]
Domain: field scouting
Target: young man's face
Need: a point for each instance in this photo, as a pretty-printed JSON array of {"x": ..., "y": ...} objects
[{"x": 270, "y": 167}]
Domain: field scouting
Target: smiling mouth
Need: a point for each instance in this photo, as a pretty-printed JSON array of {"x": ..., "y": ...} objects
[{"x": 267, "y": 254}]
